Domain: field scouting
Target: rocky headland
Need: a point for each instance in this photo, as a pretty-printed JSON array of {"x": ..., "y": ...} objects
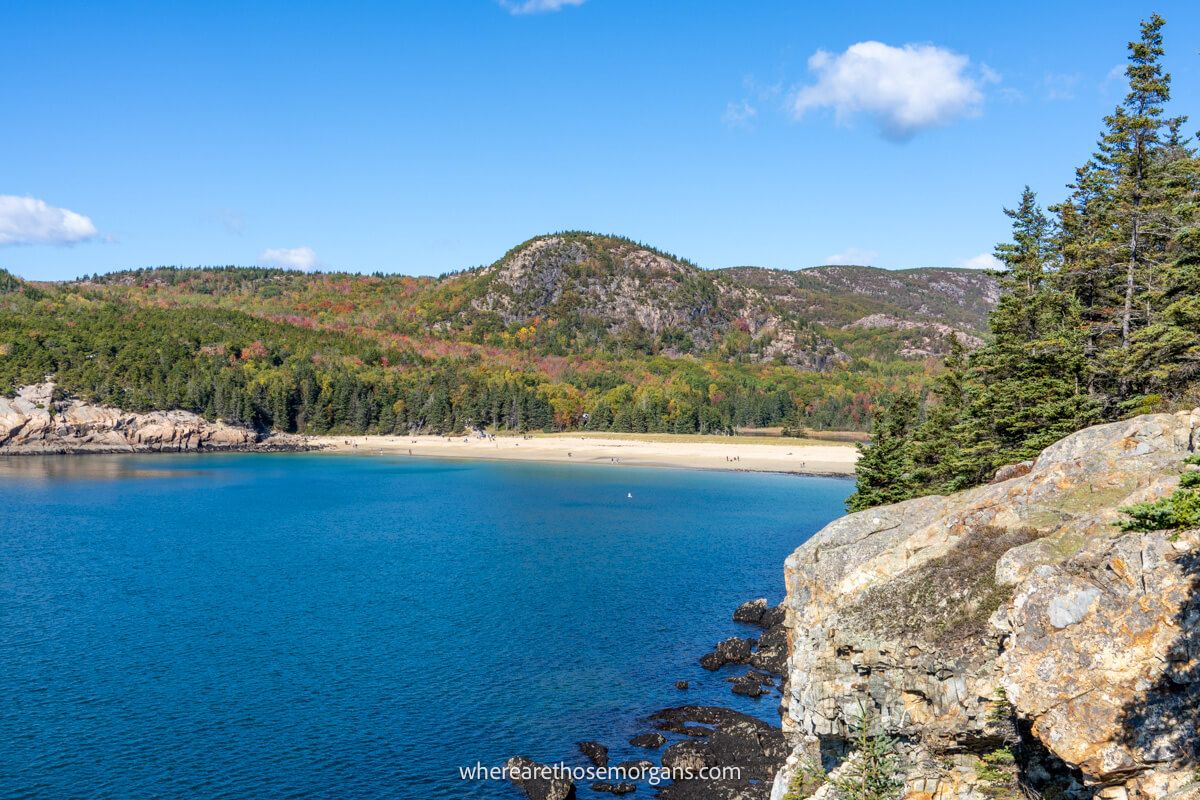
[
  {"x": 41, "y": 420},
  {"x": 1009, "y": 640}
]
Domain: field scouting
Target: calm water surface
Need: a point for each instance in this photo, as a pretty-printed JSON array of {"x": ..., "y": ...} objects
[{"x": 263, "y": 626}]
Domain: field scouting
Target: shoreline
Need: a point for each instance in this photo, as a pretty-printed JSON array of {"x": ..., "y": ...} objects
[{"x": 791, "y": 458}]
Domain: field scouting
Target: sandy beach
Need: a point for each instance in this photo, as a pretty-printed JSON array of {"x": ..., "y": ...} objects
[{"x": 799, "y": 456}]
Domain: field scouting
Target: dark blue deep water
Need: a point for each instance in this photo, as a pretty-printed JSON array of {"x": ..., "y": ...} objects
[{"x": 292, "y": 626}]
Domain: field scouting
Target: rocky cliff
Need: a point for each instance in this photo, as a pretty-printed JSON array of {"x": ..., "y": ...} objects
[
  {"x": 38, "y": 420},
  {"x": 1011, "y": 639}
]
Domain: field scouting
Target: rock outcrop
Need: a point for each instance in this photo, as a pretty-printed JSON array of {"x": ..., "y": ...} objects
[
  {"x": 1011, "y": 624},
  {"x": 716, "y": 738},
  {"x": 39, "y": 420},
  {"x": 539, "y": 781}
]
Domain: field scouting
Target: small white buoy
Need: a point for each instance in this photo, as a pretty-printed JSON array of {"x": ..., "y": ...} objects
[{"x": 629, "y": 495}]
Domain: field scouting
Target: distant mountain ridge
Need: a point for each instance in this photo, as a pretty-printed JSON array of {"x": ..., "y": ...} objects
[{"x": 577, "y": 292}]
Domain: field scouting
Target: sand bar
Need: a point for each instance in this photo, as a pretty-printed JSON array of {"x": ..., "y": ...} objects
[{"x": 800, "y": 456}]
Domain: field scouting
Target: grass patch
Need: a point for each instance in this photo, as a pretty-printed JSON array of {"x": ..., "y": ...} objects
[{"x": 948, "y": 599}]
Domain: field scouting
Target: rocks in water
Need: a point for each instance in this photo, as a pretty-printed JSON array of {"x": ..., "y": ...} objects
[
  {"x": 734, "y": 650},
  {"x": 614, "y": 788},
  {"x": 538, "y": 781},
  {"x": 771, "y": 654},
  {"x": 757, "y": 612},
  {"x": 750, "y": 611},
  {"x": 649, "y": 741},
  {"x": 719, "y": 737},
  {"x": 689, "y": 756},
  {"x": 681, "y": 685},
  {"x": 752, "y": 684},
  {"x": 596, "y": 752},
  {"x": 769, "y": 651},
  {"x": 772, "y": 617}
]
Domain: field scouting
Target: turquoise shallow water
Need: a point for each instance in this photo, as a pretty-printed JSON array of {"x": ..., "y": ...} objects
[{"x": 263, "y": 626}]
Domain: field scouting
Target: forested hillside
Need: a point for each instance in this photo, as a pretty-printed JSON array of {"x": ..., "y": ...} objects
[
  {"x": 566, "y": 331},
  {"x": 1099, "y": 314}
]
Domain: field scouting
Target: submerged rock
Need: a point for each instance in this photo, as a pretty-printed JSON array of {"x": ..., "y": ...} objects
[{"x": 614, "y": 788}]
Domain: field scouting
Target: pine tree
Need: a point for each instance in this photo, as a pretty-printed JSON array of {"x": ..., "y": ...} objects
[
  {"x": 936, "y": 449},
  {"x": 1026, "y": 388},
  {"x": 1164, "y": 357},
  {"x": 1123, "y": 191},
  {"x": 884, "y": 468}
]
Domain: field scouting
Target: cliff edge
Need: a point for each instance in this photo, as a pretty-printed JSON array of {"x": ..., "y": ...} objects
[{"x": 1010, "y": 640}]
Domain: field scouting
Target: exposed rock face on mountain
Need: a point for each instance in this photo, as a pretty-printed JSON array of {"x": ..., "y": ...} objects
[
  {"x": 597, "y": 286},
  {"x": 594, "y": 287},
  {"x": 36, "y": 421},
  {"x": 931, "y": 342},
  {"x": 1015, "y": 615},
  {"x": 924, "y": 305}
]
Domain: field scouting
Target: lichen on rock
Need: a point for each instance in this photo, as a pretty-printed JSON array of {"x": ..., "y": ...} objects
[{"x": 1014, "y": 617}]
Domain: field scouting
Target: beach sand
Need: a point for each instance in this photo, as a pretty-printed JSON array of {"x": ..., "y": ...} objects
[{"x": 806, "y": 457}]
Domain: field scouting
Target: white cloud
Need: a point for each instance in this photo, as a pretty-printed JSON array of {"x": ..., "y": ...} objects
[
  {"x": 905, "y": 89},
  {"x": 289, "y": 257},
  {"x": 981, "y": 261},
  {"x": 855, "y": 256},
  {"x": 27, "y": 220},
  {"x": 739, "y": 114},
  {"x": 516, "y": 7}
]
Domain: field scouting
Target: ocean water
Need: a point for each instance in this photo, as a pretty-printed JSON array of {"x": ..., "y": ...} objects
[{"x": 288, "y": 626}]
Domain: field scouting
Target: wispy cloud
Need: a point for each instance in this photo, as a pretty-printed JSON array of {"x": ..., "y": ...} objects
[
  {"x": 1060, "y": 85},
  {"x": 517, "y": 7},
  {"x": 739, "y": 114},
  {"x": 28, "y": 220},
  {"x": 1115, "y": 76},
  {"x": 855, "y": 256},
  {"x": 904, "y": 89},
  {"x": 981, "y": 261},
  {"x": 304, "y": 258}
]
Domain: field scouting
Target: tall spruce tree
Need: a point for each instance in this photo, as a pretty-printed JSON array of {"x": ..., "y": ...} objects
[
  {"x": 1164, "y": 357},
  {"x": 1099, "y": 315},
  {"x": 1122, "y": 196},
  {"x": 1027, "y": 387},
  {"x": 936, "y": 446},
  {"x": 884, "y": 468}
]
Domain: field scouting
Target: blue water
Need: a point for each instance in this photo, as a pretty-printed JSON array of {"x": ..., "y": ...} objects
[{"x": 274, "y": 626}]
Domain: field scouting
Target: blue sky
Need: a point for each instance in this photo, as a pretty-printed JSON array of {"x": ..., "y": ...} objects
[{"x": 421, "y": 137}]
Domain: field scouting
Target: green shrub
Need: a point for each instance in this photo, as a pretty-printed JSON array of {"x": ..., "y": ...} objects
[
  {"x": 875, "y": 768},
  {"x": 1178, "y": 511}
]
